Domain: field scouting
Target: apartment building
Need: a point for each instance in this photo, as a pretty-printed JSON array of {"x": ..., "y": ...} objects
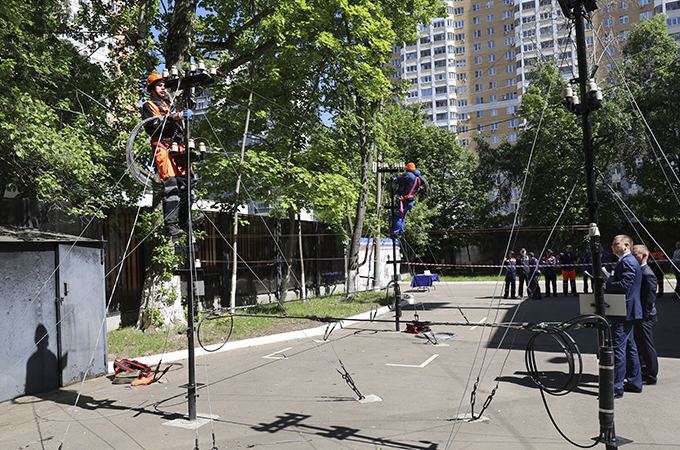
[{"x": 469, "y": 68}]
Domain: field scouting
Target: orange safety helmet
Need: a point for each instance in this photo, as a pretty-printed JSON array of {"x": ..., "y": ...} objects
[
  {"x": 153, "y": 79},
  {"x": 410, "y": 166}
]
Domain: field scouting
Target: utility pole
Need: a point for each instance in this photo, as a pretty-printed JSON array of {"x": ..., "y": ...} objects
[
  {"x": 394, "y": 168},
  {"x": 195, "y": 76},
  {"x": 591, "y": 100}
]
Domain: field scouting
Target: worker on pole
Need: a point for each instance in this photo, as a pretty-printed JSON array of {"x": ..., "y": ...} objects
[
  {"x": 167, "y": 141},
  {"x": 408, "y": 185}
]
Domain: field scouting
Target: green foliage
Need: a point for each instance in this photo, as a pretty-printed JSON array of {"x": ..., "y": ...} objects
[{"x": 163, "y": 256}]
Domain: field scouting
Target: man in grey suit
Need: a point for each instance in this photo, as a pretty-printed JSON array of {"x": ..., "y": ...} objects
[{"x": 644, "y": 336}]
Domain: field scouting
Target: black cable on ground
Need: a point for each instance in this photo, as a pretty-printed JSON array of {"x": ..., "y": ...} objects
[
  {"x": 213, "y": 316},
  {"x": 574, "y": 358}
]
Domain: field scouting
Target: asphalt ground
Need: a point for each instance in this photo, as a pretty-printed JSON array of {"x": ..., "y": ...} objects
[{"x": 290, "y": 394}]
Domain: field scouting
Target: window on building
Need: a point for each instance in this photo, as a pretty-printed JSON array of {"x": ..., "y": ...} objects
[
  {"x": 489, "y": 17},
  {"x": 425, "y": 92},
  {"x": 439, "y": 23},
  {"x": 412, "y": 55},
  {"x": 494, "y": 126},
  {"x": 463, "y": 129},
  {"x": 442, "y": 116},
  {"x": 529, "y": 5},
  {"x": 493, "y": 112},
  {"x": 411, "y": 68},
  {"x": 479, "y": 87},
  {"x": 512, "y": 137},
  {"x": 607, "y": 8},
  {"x": 509, "y": 69},
  {"x": 528, "y": 19},
  {"x": 462, "y": 89},
  {"x": 440, "y": 90},
  {"x": 507, "y": 14},
  {"x": 396, "y": 62},
  {"x": 510, "y": 55},
  {"x": 479, "y": 100},
  {"x": 492, "y": 58},
  {"x": 610, "y": 52},
  {"x": 480, "y": 127},
  {"x": 645, "y": 15},
  {"x": 546, "y": 15},
  {"x": 480, "y": 114},
  {"x": 477, "y": 47},
  {"x": 476, "y": 7},
  {"x": 426, "y": 79},
  {"x": 493, "y": 98},
  {"x": 509, "y": 41},
  {"x": 495, "y": 139},
  {"x": 459, "y": 62},
  {"x": 424, "y": 53},
  {"x": 529, "y": 47},
  {"x": 440, "y": 63},
  {"x": 476, "y": 21},
  {"x": 426, "y": 66},
  {"x": 460, "y": 23},
  {"x": 440, "y": 103},
  {"x": 479, "y": 73},
  {"x": 460, "y": 50},
  {"x": 645, "y": 2},
  {"x": 511, "y": 96},
  {"x": 491, "y": 44},
  {"x": 460, "y": 76},
  {"x": 477, "y": 33},
  {"x": 512, "y": 123},
  {"x": 413, "y": 94},
  {"x": 459, "y": 37},
  {"x": 512, "y": 109},
  {"x": 440, "y": 76},
  {"x": 490, "y": 31},
  {"x": 425, "y": 39},
  {"x": 623, "y": 5},
  {"x": 458, "y": 11},
  {"x": 508, "y": 27},
  {"x": 610, "y": 22},
  {"x": 493, "y": 84},
  {"x": 529, "y": 33},
  {"x": 492, "y": 71},
  {"x": 478, "y": 60},
  {"x": 463, "y": 116},
  {"x": 464, "y": 142},
  {"x": 510, "y": 82}
]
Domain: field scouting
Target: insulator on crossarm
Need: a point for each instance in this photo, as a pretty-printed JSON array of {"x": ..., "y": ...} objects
[
  {"x": 567, "y": 92},
  {"x": 192, "y": 145},
  {"x": 166, "y": 73},
  {"x": 201, "y": 147},
  {"x": 174, "y": 72},
  {"x": 175, "y": 147},
  {"x": 592, "y": 86},
  {"x": 213, "y": 70},
  {"x": 201, "y": 66},
  {"x": 192, "y": 67}
]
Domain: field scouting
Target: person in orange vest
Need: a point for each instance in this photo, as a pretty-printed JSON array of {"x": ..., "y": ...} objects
[
  {"x": 164, "y": 131},
  {"x": 656, "y": 263},
  {"x": 409, "y": 183}
]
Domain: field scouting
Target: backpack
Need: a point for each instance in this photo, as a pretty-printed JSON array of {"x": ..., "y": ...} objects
[{"x": 127, "y": 366}]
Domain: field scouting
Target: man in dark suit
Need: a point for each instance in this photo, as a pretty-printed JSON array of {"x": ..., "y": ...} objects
[
  {"x": 644, "y": 336},
  {"x": 626, "y": 278}
]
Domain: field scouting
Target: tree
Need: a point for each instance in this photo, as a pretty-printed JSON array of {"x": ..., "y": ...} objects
[
  {"x": 57, "y": 140},
  {"x": 549, "y": 155},
  {"x": 649, "y": 79}
]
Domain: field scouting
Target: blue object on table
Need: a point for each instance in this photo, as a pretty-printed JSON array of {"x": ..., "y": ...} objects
[{"x": 424, "y": 280}]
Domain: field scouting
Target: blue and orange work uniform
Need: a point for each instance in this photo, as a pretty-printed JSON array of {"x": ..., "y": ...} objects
[{"x": 409, "y": 183}]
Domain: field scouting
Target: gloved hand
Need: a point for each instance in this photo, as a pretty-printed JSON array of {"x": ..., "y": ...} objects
[{"x": 187, "y": 114}]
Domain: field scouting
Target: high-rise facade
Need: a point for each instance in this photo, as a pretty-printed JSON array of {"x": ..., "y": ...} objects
[{"x": 469, "y": 68}]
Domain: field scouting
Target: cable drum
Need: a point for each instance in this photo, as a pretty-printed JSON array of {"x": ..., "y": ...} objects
[{"x": 139, "y": 173}]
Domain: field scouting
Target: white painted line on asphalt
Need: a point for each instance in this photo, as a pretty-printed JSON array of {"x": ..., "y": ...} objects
[
  {"x": 271, "y": 355},
  {"x": 478, "y": 323},
  {"x": 430, "y": 359}
]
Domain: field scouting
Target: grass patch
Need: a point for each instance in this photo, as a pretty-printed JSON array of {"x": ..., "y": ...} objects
[{"x": 131, "y": 343}]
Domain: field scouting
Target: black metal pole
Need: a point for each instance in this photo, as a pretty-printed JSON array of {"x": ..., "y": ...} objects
[
  {"x": 606, "y": 351},
  {"x": 395, "y": 275},
  {"x": 191, "y": 386}
]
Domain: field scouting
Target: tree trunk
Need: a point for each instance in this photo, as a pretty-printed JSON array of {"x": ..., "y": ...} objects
[
  {"x": 180, "y": 33},
  {"x": 366, "y": 148},
  {"x": 289, "y": 255}
]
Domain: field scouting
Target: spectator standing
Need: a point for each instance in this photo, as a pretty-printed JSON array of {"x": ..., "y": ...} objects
[
  {"x": 510, "y": 264},
  {"x": 523, "y": 271},
  {"x": 550, "y": 272},
  {"x": 644, "y": 335},
  {"x": 626, "y": 278},
  {"x": 587, "y": 268},
  {"x": 676, "y": 268},
  {"x": 656, "y": 263},
  {"x": 533, "y": 288},
  {"x": 567, "y": 260}
]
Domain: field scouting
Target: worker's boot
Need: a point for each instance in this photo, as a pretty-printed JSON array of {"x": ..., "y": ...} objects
[
  {"x": 573, "y": 288},
  {"x": 565, "y": 287}
]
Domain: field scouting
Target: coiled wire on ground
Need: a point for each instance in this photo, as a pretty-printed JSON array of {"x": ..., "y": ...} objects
[
  {"x": 558, "y": 332},
  {"x": 214, "y": 316}
]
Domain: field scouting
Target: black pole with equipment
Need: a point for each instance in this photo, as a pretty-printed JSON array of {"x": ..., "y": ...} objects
[
  {"x": 393, "y": 168},
  {"x": 195, "y": 76},
  {"x": 591, "y": 100}
]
